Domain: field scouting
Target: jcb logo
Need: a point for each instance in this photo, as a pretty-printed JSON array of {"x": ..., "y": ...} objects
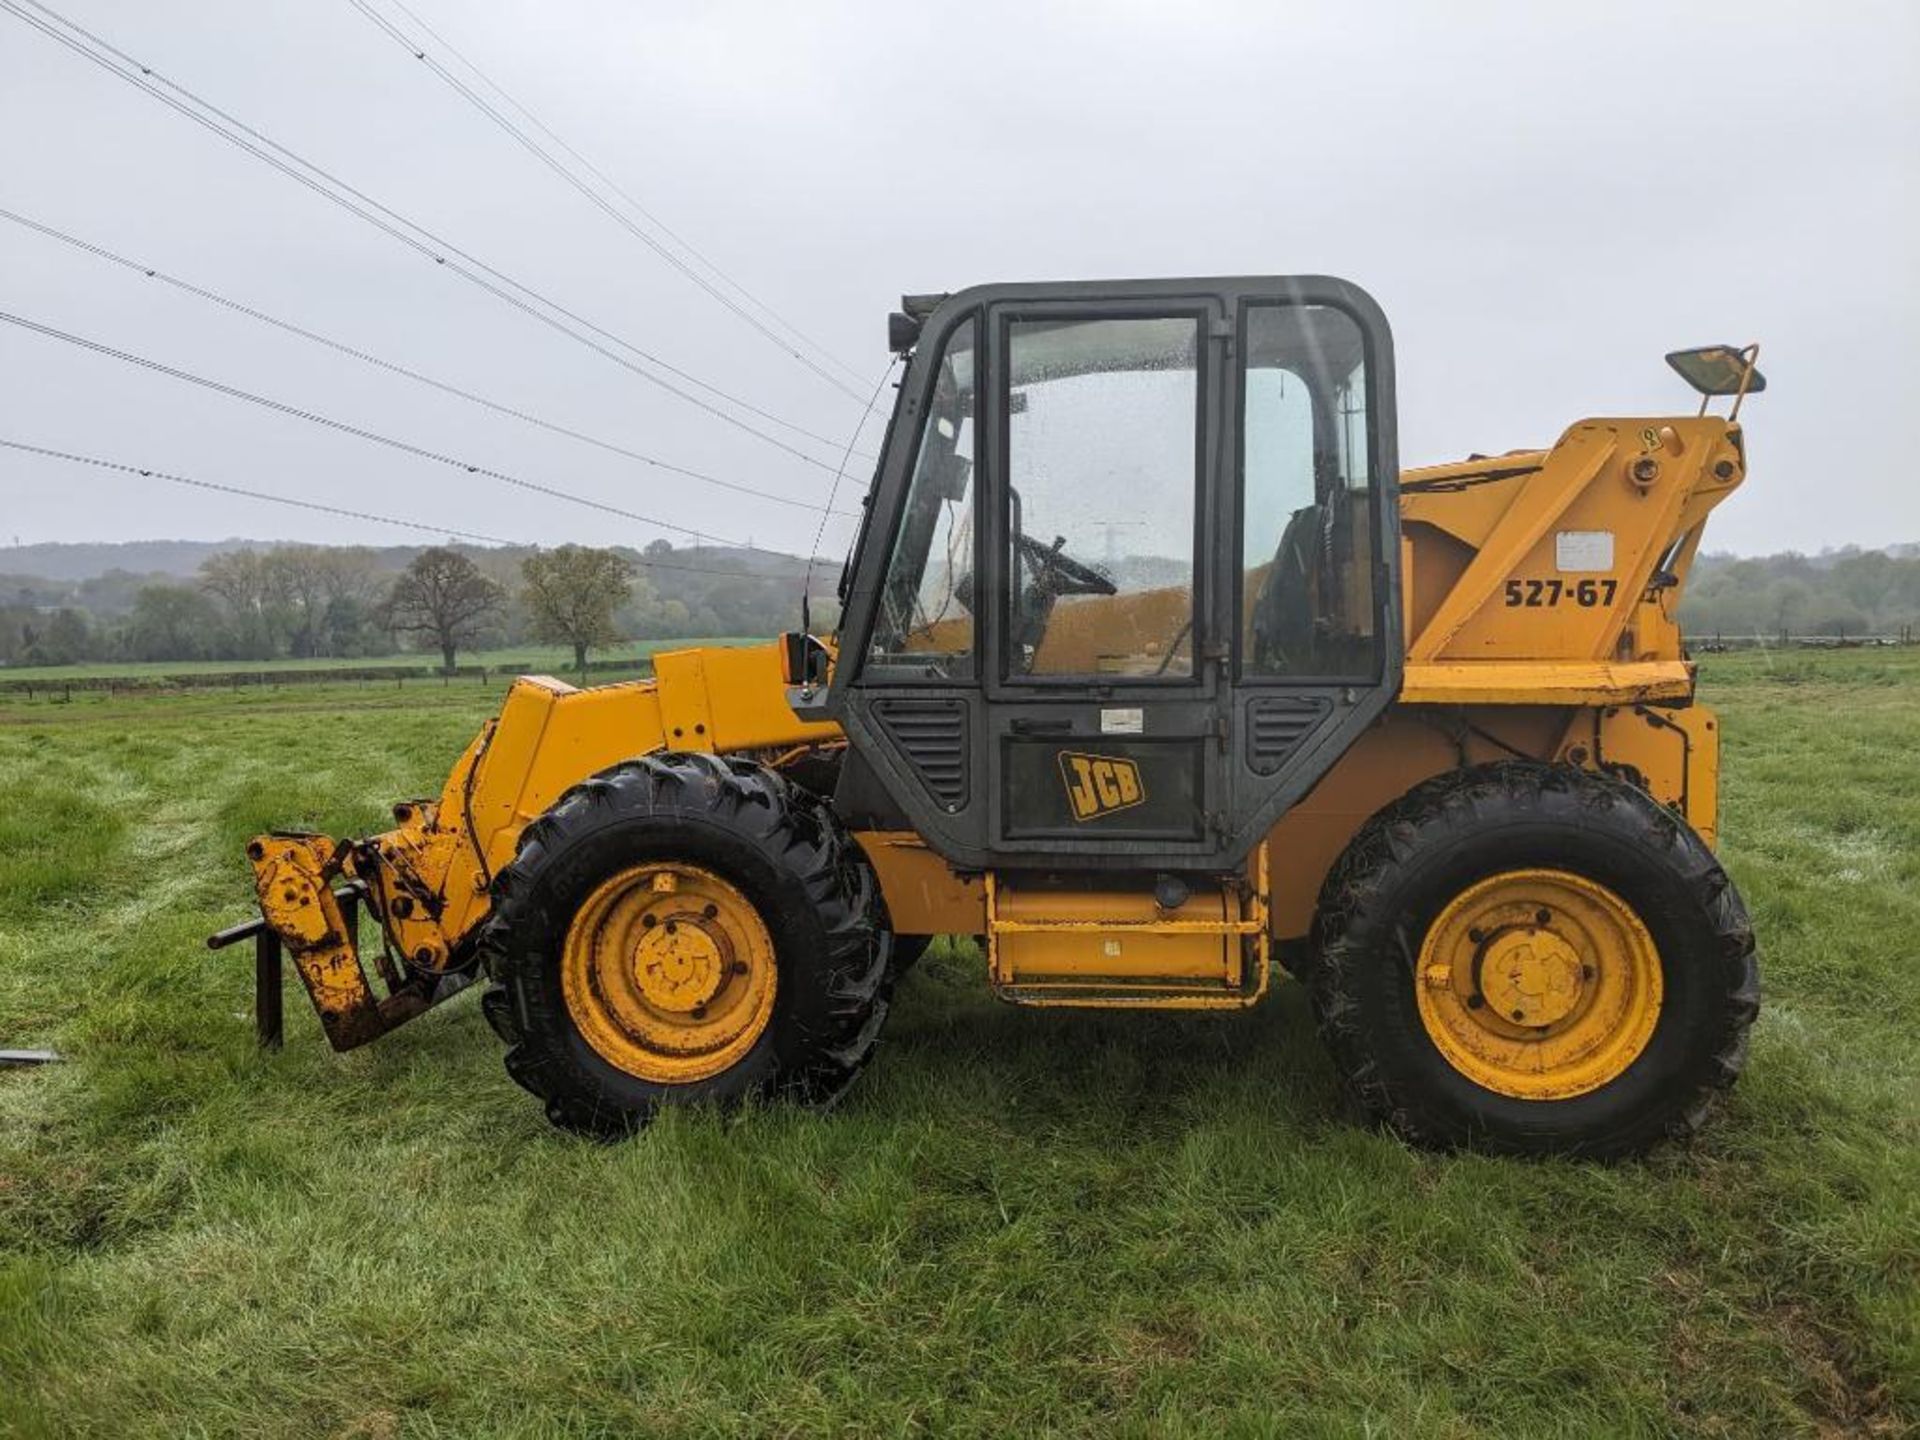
[{"x": 1100, "y": 784}]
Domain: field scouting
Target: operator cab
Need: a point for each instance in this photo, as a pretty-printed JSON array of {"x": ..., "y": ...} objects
[{"x": 1126, "y": 583}]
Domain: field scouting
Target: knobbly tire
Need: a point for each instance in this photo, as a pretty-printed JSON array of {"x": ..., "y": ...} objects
[
  {"x": 782, "y": 848},
  {"x": 1409, "y": 862}
]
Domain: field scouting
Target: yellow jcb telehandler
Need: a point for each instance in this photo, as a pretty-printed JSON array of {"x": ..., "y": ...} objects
[{"x": 1154, "y": 672}]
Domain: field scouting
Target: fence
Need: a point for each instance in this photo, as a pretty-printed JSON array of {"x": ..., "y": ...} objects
[
  {"x": 64, "y": 688},
  {"x": 1717, "y": 644}
]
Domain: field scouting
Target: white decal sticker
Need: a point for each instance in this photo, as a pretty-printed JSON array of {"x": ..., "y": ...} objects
[
  {"x": 1123, "y": 722},
  {"x": 1583, "y": 550}
]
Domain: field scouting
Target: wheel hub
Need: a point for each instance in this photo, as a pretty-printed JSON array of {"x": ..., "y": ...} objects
[
  {"x": 679, "y": 966},
  {"x": 1530, "y": 976},
  {"x": 1539, "y": 984},
  {"x": 668, "y": 972}
]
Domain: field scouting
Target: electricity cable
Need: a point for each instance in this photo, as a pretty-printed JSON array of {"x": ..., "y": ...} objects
[
  {"x": 599, "y": 201},
  {"x": 627, "y": 195},
  {"x": 397, "y": 226},
  {"x": 198, "y": 484},
  {"x": 314, "y": 417},
  {"x": 149, "y": 472},
  {"x": 341, "y": 347}
]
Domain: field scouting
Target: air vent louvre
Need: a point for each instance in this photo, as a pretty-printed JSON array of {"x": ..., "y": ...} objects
[
  {"x": 1277, "y": 724},
  {"x": 932, "y": 735}
]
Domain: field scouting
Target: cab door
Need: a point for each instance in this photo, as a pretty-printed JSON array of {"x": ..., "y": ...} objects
[{"x": 1102, "y": 663}]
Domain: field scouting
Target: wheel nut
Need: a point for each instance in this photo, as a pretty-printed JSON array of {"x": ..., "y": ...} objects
[
  {"x": 648, "y": 922},
  {"x": 1542, "y": 917},
  {"x": 1474, "y": 1002},
  {"x": 699, "y": 1012},
  {"x": 1477, "y": 935},
  {"x": 740, "y": 967}
]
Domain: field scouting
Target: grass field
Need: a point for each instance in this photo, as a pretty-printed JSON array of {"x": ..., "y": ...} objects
[{"x": 1020, "y": 1223}]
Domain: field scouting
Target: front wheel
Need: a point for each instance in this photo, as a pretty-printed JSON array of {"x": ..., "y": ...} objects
[
  {"x": 1532, "y": 959},
  {"x": 684, "y": 928}
]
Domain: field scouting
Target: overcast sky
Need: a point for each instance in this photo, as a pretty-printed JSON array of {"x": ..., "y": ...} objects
[{"x": 1545, "y": 199}]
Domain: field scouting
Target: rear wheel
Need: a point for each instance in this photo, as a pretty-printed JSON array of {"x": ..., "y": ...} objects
[
  {"x": 684, "y": 928},
  {"x": 1533, "y": 960}
]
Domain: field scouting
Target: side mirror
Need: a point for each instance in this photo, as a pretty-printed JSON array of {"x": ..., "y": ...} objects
[{"x": 1720, "y": 369}]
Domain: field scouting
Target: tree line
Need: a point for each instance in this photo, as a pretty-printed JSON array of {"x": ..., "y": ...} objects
[
  {"x": 1839, "y": 593},
  {"x": 343, "y": 602}
]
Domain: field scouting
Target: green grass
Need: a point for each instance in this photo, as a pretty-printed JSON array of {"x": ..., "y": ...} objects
[
  {"x": 1020, "y": 1223},
  {"x": 557, "y": 659}
]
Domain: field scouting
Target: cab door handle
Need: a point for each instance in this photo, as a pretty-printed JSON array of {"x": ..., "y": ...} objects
[{"x": 1027, "y": 726}]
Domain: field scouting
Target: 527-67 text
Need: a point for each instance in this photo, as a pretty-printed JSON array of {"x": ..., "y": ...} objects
[{"x": 1553, "y": 591}]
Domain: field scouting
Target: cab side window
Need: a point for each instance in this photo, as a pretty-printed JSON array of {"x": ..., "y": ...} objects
[{"x": 1306, "y": 497}]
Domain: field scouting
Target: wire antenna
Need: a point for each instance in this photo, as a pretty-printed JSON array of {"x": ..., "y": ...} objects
[{"x": 813, "y": 550}]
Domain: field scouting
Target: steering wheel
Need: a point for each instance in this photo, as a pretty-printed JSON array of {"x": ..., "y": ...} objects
[{"x": 1059, "y": 574}]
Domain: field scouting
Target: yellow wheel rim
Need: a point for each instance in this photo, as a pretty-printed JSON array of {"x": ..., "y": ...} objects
[
  {"x": 668, "y": 972},
  {"x": 1539, "y": 984}
]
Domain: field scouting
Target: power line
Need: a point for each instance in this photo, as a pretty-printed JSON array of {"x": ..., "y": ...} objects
[
  {"x": 626, "y": 195},
  {"x": 151, "y": 273},
  {"x": 249, "y": 494},
  {"x": 316, "y": 418},
  {"x": 505, "y": 123},
  {"x": 432, "y": 246},
  {"x": 148, "y": 472}
]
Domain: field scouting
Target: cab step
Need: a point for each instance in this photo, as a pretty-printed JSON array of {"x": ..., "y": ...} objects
[{"x": 1175, "y": 946}]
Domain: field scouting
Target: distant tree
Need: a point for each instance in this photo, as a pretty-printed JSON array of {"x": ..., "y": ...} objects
[
  {"x": 113, "y": 593},
  {"x": 172, "y": 622},
  {"x": 658, "y": 549},
  {"x": 443, "y": 596},
  {"x": 354, "y": 628},
  {"x": 1789, "y": 600},
  {"x": 1866, "y": 579},
  {"x": 65, "y": 639},
  {"x": 572, "y": 593},
  {"x": 296, "y": 580},
  {"x": 246, "y": 586}
]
